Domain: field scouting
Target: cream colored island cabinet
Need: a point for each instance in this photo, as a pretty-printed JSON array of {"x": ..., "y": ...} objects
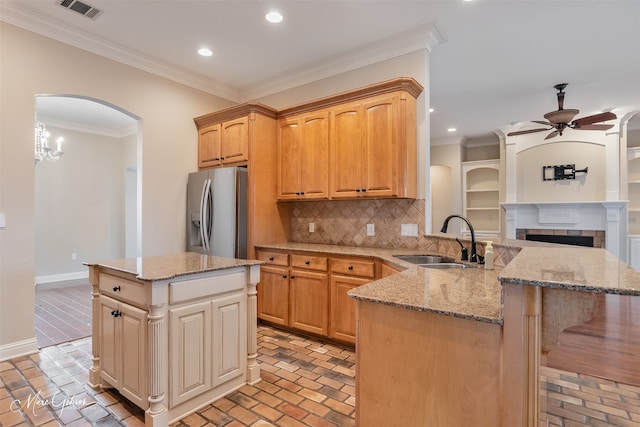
[{"x": 174, "y": 333}]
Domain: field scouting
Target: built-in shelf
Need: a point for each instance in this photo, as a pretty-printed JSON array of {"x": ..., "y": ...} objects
[{"x": 481, "y": 199}]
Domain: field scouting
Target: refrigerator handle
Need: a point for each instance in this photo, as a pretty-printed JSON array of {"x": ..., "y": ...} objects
[
  {"x": 203, "y": 215},
  {"x": 208, "y": 210}
]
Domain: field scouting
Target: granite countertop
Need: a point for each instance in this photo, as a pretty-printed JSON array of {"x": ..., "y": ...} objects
[
  {"x": 476, "y": 293},
  {"x": 166, "y": 267},
  {"x": 581, "y": 269},
  {"x": 468, "y": 293}
]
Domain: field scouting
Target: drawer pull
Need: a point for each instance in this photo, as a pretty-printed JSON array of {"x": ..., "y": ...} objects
[
  {"x": 270, "y": 258},
  {"x": 307, "y": 262},
  {"x": 350, "y": 267},
  {"x": 116, "y": 288},
  {"x": 116, "y": 313}
]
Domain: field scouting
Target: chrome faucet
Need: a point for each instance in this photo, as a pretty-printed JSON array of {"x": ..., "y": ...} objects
[{"x": 474, "y": 255}]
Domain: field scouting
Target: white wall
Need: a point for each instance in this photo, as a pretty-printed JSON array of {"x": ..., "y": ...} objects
[
  {"x": 65, "y": 222},
  {"x": 590, "y": 186},
  {"x": 168, "y": 153}
]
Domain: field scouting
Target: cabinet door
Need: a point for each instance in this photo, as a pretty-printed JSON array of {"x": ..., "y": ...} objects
[
  {"x": 314, "y": 156},
  {"x": 190, "y": 338},
  {"x": 342, "y": 322},
  {"x": 229, "y": 338},
  {"x": 309, "y": 301},
  {"x": 289, "y": 145},
  {"x": 380, "y": 140},
  {"x": 209, "y": 146},
  {"x": 273, "y": 295},
  {"x": 109, "y": 343},
  {"x": 134, "y": 355},
  {"x": 235, "y": 141},
  {"x": 346, "y": 152}
]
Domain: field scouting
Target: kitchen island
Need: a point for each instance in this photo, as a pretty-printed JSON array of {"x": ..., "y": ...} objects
[
  {"x": 462, "y": 346},
  {"x": 174, "y": 333}
]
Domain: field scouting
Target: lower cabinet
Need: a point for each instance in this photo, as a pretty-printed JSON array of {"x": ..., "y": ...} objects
[
  {"x": 308, "y": 292},
  {"x": 123, "y": 330},
  {"x": 207, "y": 345}
]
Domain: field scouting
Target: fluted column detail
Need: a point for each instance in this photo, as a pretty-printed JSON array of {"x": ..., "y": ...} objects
[
  {"x": 156, "y": 323},
  {"x": 94, "y": 372},
  {"x": 253, "y": 369}
]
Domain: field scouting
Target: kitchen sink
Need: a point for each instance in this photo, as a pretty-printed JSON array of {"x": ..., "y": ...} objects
[
  {"x": 446, "y": 265},
  {"x": 425, "y": 259}
]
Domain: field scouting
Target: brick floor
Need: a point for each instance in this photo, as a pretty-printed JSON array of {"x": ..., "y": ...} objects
[{"x": 305, "y": 383}]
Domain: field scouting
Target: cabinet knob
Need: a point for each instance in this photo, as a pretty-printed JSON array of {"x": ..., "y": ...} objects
[
  {"x": 307, "y": 262},
  {"x": 357, "y": 190},
  {"x": 221, "y": 158},
  {"x": 350, "y": 267},
  {"x": 270, "y": 258},
  {"x": 116, "y": 288},
  {"x": 364, "y": 190},
  {"x": 216, "y": 158},
  {"x": 284, "y": 276},
  {"x": 116, "y": 313},
  {"x": 293, "y": 277}
]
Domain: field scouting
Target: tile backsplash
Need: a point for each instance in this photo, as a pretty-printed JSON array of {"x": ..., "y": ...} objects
[{"x": 344, "y": 222}]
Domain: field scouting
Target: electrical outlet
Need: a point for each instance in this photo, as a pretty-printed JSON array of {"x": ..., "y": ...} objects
[
  {"x": 312, "y": 227},
  {"x": 371, "y": 230},
  {"x": 409, "y": 230}
]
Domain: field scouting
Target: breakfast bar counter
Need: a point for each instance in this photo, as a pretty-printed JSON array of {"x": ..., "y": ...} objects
[{"x": 173, "y": 333}]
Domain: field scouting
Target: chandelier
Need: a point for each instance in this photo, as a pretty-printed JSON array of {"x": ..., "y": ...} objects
[{"x": 42, "y": 149}]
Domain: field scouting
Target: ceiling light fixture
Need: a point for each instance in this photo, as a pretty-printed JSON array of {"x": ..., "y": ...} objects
[
  {"x": 452, "y": 130},
  {"x": 42, "y": 150},
  {"x": 203, "y": 51},
  {"x": 273, "y": 17}
]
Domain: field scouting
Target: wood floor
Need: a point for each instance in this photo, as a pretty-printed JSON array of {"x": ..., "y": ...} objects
[{"x": 607, "y": 346}]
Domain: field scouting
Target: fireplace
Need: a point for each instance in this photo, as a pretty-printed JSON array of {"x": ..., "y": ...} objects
[
  {"x": 602, "y": 221},
  {"x": 589, "y": 238}
]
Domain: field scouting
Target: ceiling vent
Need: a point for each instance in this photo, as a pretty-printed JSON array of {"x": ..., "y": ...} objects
[{"x": 81, "y": 7}]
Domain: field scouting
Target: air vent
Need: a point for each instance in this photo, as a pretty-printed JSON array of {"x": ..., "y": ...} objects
[{"x": 81, "y": 7}]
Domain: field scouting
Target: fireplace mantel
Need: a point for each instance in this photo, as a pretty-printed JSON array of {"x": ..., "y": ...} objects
[{"x": 579, "y": 215}]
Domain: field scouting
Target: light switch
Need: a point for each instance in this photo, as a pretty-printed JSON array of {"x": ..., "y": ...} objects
[
  {"x": 3, "y": 220},
  {"x": 312, "y": 227}
]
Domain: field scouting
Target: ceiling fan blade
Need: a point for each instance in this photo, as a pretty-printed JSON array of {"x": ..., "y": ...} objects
[
  {"x": 594, "y": 127},
  {"x": 553, "y": 134},
  {"x": 523, "y": 132},
  {"x": 602, "y": 117},
  {"x": 542, "y": 123}
]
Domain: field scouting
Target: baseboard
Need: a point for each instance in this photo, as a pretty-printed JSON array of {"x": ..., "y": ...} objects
[
  {"x": 17, "y": 349},
  {"x": 61, "y": 280}
]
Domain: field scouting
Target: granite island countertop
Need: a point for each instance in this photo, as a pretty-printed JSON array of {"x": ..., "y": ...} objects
[{"x": 165, "y": 267}]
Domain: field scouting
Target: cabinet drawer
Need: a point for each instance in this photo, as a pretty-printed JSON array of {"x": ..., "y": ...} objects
[
  {"x": 353, "y": 268},
  {"x": 275, "y": 258},
  {"x": 122, "y": 289},
  {"x": 309, "y": 262}
]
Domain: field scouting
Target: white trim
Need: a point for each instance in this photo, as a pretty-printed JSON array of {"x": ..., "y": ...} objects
[
  {"x": 18, "y": 348},
  {"x": 61, "y": 277}
]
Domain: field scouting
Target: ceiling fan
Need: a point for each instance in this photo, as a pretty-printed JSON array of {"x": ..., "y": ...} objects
[{"x": 561, "y": 119}]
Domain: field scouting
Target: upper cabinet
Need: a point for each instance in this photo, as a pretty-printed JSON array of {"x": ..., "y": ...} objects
[
  {"x": 223, "y": 144},
  {"x": 303, "y": 157},
  {"x": 356, "y": 144}
]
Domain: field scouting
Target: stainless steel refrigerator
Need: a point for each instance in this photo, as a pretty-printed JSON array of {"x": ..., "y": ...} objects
[{"x": 217, "y": 212}]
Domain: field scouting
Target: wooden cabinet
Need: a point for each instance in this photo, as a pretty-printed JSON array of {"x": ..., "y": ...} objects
[
  {"x": 308, "y": 291},
  {"x": 372, "y": 144},
  {"x": 123, "y": 344},
  {"x": 303, "y": 168},
  {"x": 373, "y": 148},
  {"x": 481, "y": 200},
  {"x": 224, "y": 144},
  {"x": 346, "y": 274},
  {"x": 229, "y": 346}
]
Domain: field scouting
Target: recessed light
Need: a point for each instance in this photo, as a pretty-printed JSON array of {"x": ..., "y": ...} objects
[
  {"x": 273, "y": 17},
  {"x": 452, "y": 130},
  {"x": 203, "y": 51}
]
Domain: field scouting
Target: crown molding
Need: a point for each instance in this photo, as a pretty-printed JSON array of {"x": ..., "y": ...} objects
[
  {"x": 12, "y": 13},
  {"x": 79, "y": 127},
  {"x": 425, "y": 37}
]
